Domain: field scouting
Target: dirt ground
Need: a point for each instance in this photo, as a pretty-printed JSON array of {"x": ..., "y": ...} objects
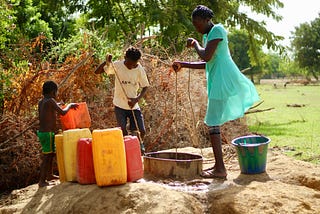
[{"x": 288, "y": 186}]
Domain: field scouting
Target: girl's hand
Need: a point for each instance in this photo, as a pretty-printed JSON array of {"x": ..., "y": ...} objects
[
  {"x": 191, "y": 42},
  {"x": 176, "y": 66}
]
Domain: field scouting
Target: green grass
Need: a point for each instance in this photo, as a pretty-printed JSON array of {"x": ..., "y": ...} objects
[{"x": 296, "y": 130}]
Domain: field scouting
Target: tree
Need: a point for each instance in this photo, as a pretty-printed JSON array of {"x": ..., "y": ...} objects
[
  {"x": 171, "y": 20},
  {"x": 58, "y": 15},
  {"x": 7, "y": 23},
  {"x": 7, "y": 35},
  {"x": 129, "y": 21},
  {"x": 267, "y": 65},
  {"x": 291, "y": 68},
  {"x": 271, "y": 66},
  {"x": 239, "y": 47},
  {"x": 306, "y": 46},
  {"x": 28, "y": 20}
]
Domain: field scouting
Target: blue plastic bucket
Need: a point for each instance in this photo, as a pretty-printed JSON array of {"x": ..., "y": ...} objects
[{"x": 252, "y": 153}]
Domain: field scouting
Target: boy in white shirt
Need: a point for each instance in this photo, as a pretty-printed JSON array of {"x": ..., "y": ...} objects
[{"x": 130, "y": 76}]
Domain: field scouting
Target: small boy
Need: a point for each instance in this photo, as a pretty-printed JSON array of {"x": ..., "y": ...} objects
[
  {"x": 47, "y": 108},
  {"x": 130, "y": 77}
]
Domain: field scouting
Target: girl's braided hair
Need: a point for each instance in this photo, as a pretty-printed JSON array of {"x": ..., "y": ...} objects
[{"x": 202, "y": 12}]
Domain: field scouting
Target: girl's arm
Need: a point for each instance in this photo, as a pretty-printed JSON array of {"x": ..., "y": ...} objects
[
  {"x": 205, "y": 53},
  {"x": 177, "y": 65}
]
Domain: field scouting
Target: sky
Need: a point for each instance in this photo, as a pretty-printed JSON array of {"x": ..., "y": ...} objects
[{"x": 294, "y": 13}]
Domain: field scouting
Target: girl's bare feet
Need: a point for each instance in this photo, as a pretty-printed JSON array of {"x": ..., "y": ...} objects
[
  {"x": 210, "y": 168},
  {"x": 214, "y": 174}
]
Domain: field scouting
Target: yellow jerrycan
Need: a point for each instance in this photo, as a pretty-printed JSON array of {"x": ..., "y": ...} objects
[
  {"x": 58, "y": 139},
  {"x": 109, "y": 157},
  {"x": 70, "y": 142}
]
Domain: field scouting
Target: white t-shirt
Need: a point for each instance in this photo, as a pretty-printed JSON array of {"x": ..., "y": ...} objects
[{"x": 131, "y": 80}]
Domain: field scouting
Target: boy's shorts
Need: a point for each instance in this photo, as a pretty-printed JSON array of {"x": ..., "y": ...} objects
[
  {"x": 122, "y": 115},
  {"x": 47, "y": 142}
]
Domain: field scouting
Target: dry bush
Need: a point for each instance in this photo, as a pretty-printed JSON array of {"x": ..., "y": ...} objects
[
  {"x": 170, "y": 120},
  {"x": 19, "y": 158}
]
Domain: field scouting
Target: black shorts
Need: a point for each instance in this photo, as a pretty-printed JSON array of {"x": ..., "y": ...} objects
[{"x": 122, "y": 115}]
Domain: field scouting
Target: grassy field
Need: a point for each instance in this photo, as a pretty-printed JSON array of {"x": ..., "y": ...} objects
[{"x": 294, "y": 124}]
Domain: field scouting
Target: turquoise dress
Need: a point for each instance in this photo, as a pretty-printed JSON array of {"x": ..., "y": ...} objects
[{"x": 230, "y": 93}]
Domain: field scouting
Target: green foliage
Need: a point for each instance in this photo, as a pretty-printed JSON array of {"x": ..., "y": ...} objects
[
  {"x": 58, "y": 15},
  {"x": 291, "y": 68},
  {"x": 266, "y": 67},
  {"x": 306, "y": 46},
  {"x": 271, "y": 65},
  {"x": 7, "y": 24},
  {"x": 123, "y": 20},
  {"x": 7, "y": 36},
  {"x": 83, "y": 40},
  {"x": 257, "y": 32},
  {"x": 130, "y": 20},
  {"x": 50, "y": 18},
  {"x": 239, "y": 48},
  {"x": 29, "y": 21}
]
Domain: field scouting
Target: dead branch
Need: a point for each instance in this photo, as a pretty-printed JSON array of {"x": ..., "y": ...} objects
[
  {"x": 314, "y": 157},
  {"x": 9, "y": 148},
  {"x": 245, "y": 70},
  {"x": 257, "y": 105},
  {"x": 75, "y": 68},
  {"x": 259, "y": 110},
  {"x": 34, "y": 122},
  {"x": 144, "y": 39}
]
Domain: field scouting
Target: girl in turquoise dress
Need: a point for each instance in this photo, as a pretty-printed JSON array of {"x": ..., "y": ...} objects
[{"x": 230, "y": 93}]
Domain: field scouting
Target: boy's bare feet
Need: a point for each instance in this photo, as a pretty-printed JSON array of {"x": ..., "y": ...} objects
[
  {"x": 43, "y": 184},
  {"x": 52, "y": 177}
]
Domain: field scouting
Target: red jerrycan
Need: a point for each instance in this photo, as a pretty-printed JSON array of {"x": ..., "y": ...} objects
[
  {"x": 133, "y": 158},
  {"x": 85, "y": 168},
  {"x": 76, "y": 118}
]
